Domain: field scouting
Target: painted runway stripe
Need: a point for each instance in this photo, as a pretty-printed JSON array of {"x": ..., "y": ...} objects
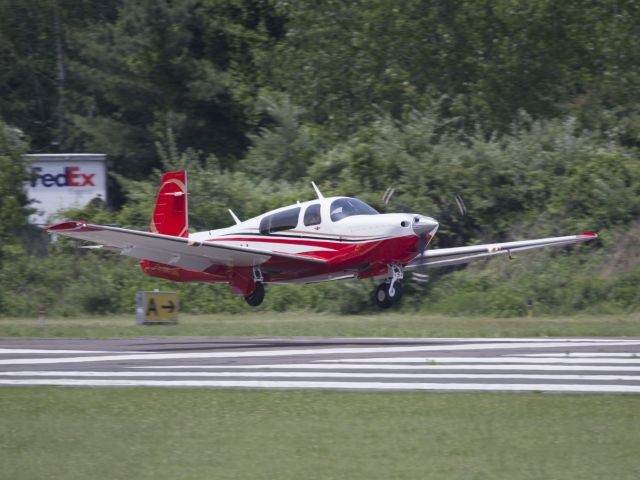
[
  {"x": 575, "y": 340},
  {"x": 381, "y": 366},
  {"x": 580, "y": 355},
  {"x": 563, "y": 360},
  {"x": 295, "y": 352},
  {"x": 47, "y": 350},
  {"x": 259, "y": 384},
  {"x": 435, "y": 376}
]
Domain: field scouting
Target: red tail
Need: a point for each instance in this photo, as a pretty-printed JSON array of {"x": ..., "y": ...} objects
[{"x": 170, "y": 214}]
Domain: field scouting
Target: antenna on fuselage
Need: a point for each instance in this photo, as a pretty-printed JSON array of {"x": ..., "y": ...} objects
[
  {"x": 318, "y": 192},
  {"x": 237, "y": 220}
]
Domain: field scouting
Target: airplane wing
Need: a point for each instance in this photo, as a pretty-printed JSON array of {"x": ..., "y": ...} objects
[
  {"x": 178, "y": 251},
  {"x": 442, "y": 257}
]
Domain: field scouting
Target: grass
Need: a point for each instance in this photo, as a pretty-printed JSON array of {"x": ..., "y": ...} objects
[
  {"x": 315, "y": 324},
  {"x": 193, "y": 434}
]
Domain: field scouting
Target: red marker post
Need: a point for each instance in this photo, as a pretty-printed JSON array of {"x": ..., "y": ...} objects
[{"x": 42, "y": 311}]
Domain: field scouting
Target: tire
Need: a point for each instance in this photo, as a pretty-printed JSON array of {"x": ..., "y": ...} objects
[
  {"x": 381, "y": 296},
  {"x": 257, "y": 296}
]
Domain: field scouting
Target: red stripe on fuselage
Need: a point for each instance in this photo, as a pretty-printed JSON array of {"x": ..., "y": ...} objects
[{"x": 329, "y": 243}]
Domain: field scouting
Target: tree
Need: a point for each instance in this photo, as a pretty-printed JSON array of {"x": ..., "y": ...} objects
[
  {"x": 35, "y": 46},
  {"x": 13, "y": 176},
  {"x": 184, "y": 66}
]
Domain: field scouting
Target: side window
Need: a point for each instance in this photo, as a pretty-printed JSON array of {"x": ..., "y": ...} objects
[
  {"x": 285, "y": 220},
  {"x": 312, "y": 215}
]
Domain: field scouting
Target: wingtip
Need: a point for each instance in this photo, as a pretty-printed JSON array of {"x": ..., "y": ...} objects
[
  {"x": 589, "y": 234},
  {"x": 68, "y": 225}
]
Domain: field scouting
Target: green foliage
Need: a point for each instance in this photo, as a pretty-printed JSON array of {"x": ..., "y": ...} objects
[
  {"x": 13, "y": 175},
  {"x": 159, "y": 65},
  {"x": 487, "y": 59},
  {"x": 528, "y": 112},
  {"x": 286, "y": 149}
]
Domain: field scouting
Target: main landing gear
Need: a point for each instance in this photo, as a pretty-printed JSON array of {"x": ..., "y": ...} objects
[
  {"x": 390, "y": 292},
  {"x": 257, "y": 297}
]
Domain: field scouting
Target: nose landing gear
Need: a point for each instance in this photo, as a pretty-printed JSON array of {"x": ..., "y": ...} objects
[{"x": 390, "y": 292}]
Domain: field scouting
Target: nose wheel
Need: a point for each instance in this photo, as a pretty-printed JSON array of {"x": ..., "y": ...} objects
[
  {"x": 390, "y": 292},
  {"x": 383, "y": 296}
]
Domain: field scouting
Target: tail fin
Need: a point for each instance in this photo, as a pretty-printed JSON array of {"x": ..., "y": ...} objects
[{"x": 170, "y": 213}]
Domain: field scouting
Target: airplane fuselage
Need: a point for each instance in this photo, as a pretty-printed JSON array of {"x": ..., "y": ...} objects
[{"x": 353, "y": 239}]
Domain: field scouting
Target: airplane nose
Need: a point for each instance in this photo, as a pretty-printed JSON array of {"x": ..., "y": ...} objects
[{"x": 422, "y": 224}]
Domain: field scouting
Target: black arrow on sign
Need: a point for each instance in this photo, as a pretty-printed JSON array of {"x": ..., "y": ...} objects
[{"x": 170, "y": 308}]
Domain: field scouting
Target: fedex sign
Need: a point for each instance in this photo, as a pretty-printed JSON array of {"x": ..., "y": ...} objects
[
  {"x": 70, "y": 177},
  {"x": 59, "y": 182}
]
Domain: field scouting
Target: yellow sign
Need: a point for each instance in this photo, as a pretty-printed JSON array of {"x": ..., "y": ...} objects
[{"x": 157, "y": 307}]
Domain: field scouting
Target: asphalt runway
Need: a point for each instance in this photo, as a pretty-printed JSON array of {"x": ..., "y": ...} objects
[{"x": 559, "y": 365}]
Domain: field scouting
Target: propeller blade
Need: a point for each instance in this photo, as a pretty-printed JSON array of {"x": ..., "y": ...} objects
[
  {"x": 423, "y": 226},
  {"x": 420, "y": 277},
  {"x": 386, "y": 198},
  {"x": 422, "y": 243},
  {"x": 461, "y": 206}
]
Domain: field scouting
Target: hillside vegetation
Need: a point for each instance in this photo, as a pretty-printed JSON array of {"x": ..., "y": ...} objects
[{"x": 528, "y": 111}]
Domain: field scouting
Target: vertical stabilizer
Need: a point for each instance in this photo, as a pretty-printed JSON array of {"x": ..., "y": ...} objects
[{"x": 170, "y": 213}]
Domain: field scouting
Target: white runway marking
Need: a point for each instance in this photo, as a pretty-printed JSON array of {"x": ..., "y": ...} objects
[
  {"x": 307, "y": 351},
  {"x": 574, "y": 340},
  {"x": 510, "y": 359},
  {"x": 46, "y": 350},
  {"x": 582, "y": 355},
  {"x": 518, "y": 365},
  {"x": 528, "y": 387},
  {"x": 398, "y": 366}
]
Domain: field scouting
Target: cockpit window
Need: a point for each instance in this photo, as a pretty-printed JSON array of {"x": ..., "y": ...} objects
[
  {"x": 348, "y": 207},
  {"x": 285, "y": 220},
  {"x": 312, "y": 215}
]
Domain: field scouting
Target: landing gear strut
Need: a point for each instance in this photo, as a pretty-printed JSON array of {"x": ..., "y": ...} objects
[
  {"x": 390, "y": 292},
  {"x": 254, "y": 299}
]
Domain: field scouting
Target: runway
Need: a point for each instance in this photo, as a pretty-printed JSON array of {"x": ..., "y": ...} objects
[{"x": 555, "y": 365}]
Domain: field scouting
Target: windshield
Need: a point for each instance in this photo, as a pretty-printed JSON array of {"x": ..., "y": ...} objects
[{"x": 348, "y": 207}]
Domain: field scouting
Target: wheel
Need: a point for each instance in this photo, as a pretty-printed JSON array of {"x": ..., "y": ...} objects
[
  {"x": 382, "y": 296},
  {"x": 257, "y": 296}
]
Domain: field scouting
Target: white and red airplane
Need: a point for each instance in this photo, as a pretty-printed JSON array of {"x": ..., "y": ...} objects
[{"x": 324, "y": 239}]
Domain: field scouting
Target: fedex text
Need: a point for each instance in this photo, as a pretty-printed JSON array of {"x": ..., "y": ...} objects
[{"x": 70, "y": 177}]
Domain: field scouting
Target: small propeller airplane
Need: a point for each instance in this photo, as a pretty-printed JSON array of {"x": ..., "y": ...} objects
[{"x": 333, "y": 238}]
